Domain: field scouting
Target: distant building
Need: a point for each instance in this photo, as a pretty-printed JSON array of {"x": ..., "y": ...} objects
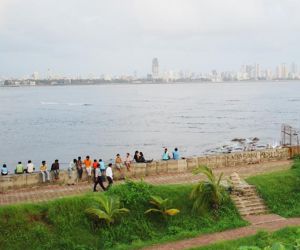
[
  {"x": 155, "y": 68},
  {"x": 35, "y": 75},
  {"x": 282, "y": 71}
]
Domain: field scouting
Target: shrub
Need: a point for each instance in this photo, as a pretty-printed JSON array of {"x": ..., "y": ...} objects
[
  {"x": 162, "y": 206},
  {"x": 108, "y": 209},
  {"x": 209, "y": 193}
]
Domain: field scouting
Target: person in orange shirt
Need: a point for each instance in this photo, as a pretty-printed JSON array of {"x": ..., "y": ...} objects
[
  {"x": 95, "y": 166},
  {"x": 88, "y": 166}
]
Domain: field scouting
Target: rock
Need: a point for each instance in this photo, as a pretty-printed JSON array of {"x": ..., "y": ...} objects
[{"x": 240, "y": 140}]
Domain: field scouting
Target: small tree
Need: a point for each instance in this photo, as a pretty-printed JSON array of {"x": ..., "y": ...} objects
[
  {"x": 107, "y": 209},
  {"x": 161, "y": 207},
  {"x": 208, "y": 193}
]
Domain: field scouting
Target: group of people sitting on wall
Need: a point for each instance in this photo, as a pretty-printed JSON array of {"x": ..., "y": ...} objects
[{"x": 94, "y": 169}]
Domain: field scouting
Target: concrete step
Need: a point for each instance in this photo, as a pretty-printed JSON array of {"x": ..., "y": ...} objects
[
  {"x": 256, "y": 204},
  {"x": 253, "y": 209}
]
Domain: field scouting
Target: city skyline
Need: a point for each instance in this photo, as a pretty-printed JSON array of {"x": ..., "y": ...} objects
[
  {"x": 119, "y": 37},
  {"x": 158, "y": 71}
]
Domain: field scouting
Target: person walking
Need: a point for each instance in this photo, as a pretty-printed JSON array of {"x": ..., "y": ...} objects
[
  {"x": 30, "y": 167},
  {"x": 19, "y": 168},
  {"x": 44, "y": 171},
  {"x": 79, "y": 168},
  {"x": 4, "y": 170},
  {"x": 99, "y": 179},
  {"x": 55, "y": 169},
  {"x": 109, "y": 175}
]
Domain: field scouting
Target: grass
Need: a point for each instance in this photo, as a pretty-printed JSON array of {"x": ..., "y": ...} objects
[
  {"x": 286, "y": 236},
  {"x": 280, "y": 190},
  {"x": 63, "y": 224}
]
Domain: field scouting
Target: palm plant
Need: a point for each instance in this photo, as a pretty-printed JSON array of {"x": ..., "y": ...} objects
[
  {"x": 208, "y": 193},
  {"x": 161, "y": 206},
  {"x": 107, "y": 209}
]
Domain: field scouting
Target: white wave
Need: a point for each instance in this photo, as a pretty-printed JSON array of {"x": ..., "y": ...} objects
[
  {"x": 79, "y": 104},
  {"x": 49, "y": 103}
]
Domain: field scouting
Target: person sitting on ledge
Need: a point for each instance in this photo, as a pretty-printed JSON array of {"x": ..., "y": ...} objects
[
  {"x": 19, "y": 168},
  {"x": 136, "y": 156},
  {"x": 4, "y": 170},
  {"x": 176, "y": 155},
  {"x": 30, "y": 167},
  {"x": 142, "y": 159},
  {"x": 119, "y": 162},
  {"x": 166, "y": 156},
  {"x": 55, "y": 169},
  {"x": 72, "y": 172},
  {"x": 79, "y": 168},
  {"x": 128, "y": 162},
  {"x": 44, "y": 171},
  {"x": 88, "y": 167}
]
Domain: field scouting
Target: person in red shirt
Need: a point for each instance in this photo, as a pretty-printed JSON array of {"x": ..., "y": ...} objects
[{"x": 95, "y": 166}]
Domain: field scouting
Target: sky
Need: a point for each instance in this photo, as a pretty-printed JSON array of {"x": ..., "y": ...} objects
[{"x": 94, "y": 37}]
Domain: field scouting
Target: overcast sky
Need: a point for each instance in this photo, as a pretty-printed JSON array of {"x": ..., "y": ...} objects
[{"x": 83, "y": 37}]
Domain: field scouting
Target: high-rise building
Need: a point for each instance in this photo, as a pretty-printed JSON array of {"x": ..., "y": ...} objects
[
  {"x": 155, "y": 68},
  {"x": 256, "y": 71},
  {"x": 35, "y": 75},
  {"x": 294, "y": 68}
]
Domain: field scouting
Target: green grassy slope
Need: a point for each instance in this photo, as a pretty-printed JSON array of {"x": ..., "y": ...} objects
[
  {"x": 63, "y": 224},
  {"x": 280, "y": 190}
]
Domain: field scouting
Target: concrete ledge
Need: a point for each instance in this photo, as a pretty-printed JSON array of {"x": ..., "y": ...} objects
[
  {"x": 162, "y": 167},
  {"x": 172, "y": 166},
  {"x": 192, "y": 163},
  {"x": 140, "y": 170},
  {"x": 151, "y": 168}
]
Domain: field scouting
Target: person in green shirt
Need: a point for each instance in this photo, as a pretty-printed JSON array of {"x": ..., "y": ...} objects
[{"x": 19, "y": 168}]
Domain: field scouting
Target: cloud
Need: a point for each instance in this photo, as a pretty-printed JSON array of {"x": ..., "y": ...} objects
[{"x": 123, "y": 35}]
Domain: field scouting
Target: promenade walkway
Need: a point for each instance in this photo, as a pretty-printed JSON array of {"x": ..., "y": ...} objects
[
  {"x": 269, "y": 222},
  {"x": 51, "y": 191}
]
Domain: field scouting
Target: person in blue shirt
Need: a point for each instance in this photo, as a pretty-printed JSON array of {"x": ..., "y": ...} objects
[
  {"x": 176, "y": 155},
  {"x": 4, "y": 170},
  {"x": 102, "y": 166}
]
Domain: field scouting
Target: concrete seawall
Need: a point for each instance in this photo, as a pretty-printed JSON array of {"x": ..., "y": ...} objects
[{"x": 139, "y": 170}]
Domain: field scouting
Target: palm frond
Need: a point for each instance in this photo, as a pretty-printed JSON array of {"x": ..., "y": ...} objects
[{"x": 154, "y": 210}]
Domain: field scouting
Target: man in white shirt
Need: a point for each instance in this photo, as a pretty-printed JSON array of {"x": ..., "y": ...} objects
[
  {"x": 109, "y": 175},
  {"x": 30, "y": 167}
]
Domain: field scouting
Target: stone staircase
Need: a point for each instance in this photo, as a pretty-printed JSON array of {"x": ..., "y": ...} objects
[{"x": 246, "y": 197}]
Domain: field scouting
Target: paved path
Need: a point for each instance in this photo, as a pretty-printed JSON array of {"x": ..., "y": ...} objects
[
  {"x": 50, "y": 191},
  {"x": 270, "y": 222}
]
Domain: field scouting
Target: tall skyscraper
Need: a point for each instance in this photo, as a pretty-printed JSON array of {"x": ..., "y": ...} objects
[
  {"x": 155, "y": 68},
  {"x": 294, "y": 68}
]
